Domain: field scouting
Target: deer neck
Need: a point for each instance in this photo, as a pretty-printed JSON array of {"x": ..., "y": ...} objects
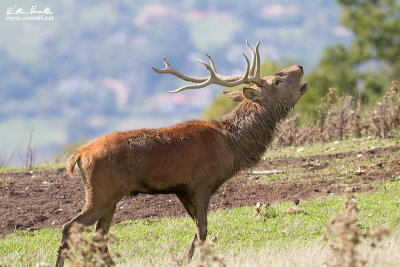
[{"x": 251, "y": 128}]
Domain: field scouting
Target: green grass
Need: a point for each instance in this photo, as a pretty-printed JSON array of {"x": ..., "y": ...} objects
[
  {"x": 238, "y": 230},
  {"x": 348, "y": 145},
  {"x": 43, "y": 166},
  {"x": 343, "y": 171}
]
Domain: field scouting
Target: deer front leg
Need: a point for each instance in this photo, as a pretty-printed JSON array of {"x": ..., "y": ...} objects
[
  {"x": 197, "y": 206},
  {"x": 189, "y": 207},
  {"x": 200, "y": 218}
]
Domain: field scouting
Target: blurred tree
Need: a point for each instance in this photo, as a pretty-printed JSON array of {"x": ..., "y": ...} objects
[
  {"x": 376, "y": 25},
  {"x": 365, "y": 67}
]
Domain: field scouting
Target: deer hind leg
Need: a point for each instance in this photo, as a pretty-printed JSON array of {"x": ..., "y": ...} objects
[
  {"x": 102, "y": 227},
  {"x": 88, "y": 216}
]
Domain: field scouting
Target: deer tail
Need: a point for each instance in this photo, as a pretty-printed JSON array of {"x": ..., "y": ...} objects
[{"x": 75, "y": 159}]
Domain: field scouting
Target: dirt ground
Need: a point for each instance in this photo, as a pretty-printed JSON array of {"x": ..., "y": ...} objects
[{"x": 49, "y": 198}]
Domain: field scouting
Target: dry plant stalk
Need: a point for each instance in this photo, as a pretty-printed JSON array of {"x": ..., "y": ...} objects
[
  {"x": 356, "y": 123},
  {"x": 345, "y": 237},
  {"x": 207, "y": 258},
  {"x": 265, "y": 211},
  {"x": 341, "y": 117},
  {"x": 386, "y": 113},
  {"x": 88, "y": 252}
]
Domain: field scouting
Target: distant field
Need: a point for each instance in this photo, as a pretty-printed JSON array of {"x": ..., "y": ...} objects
[{"x": 281, "y": 234}]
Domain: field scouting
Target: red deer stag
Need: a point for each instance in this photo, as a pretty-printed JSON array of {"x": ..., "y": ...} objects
[{"x": 191, "y": 159}]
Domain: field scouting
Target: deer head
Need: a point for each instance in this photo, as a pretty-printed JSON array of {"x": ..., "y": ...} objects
[{"x": 283, "y": 87}]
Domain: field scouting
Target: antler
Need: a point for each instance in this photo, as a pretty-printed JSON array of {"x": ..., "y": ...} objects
[{"x": 251, "y": 74}]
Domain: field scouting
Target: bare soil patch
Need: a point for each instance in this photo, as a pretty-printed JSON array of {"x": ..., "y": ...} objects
[{"x": 49, "y": 198}]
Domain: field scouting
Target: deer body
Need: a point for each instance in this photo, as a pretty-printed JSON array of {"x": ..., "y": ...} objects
[
  {"x": 162, "y": 160},
  {"x": 192, "y": 159}
]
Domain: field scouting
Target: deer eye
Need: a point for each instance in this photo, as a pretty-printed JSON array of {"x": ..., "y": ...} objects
[{"x": 277, "y": 81}]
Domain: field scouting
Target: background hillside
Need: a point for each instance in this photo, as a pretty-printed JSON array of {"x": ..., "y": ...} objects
[{"x": 88, "y": 72}]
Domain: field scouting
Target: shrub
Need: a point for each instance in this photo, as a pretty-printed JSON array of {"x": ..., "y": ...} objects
[{"x": 341, "y": 117}]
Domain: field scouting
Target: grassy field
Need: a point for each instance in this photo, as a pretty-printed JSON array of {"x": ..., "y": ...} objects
[
  {"x": 347, "y": 145},
  {"x": 281, "y": 234},
  {"x": 37, "y": 167}
]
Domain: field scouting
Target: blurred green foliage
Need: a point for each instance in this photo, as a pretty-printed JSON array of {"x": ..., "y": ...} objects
[{"x": 365, "y": 67}]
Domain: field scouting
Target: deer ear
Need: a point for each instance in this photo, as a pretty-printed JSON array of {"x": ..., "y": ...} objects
[
  {"x": 236, "y": 96},
  {"x": 252, "y": 94}
]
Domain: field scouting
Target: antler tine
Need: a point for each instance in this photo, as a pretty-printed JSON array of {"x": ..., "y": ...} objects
[
  {"x": 215, "y": 79},
  {"x": 167, "y": 66},
  {"x": 255, "y": 78},
  {"x": 246, "y": 73},
  {"x": 211, "y": 62},
  {"x": 171, "y": 70},
  {"x": 194, "y": 86},
  {"x": 253, "y": 55},
  {"x": 258, "y": 62},
  {"x": 230, "y": 81},
  {"x": 232, "y": 78}
]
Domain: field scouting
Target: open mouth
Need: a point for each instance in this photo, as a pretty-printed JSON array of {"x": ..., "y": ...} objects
[{"x": 304, "y": 88}]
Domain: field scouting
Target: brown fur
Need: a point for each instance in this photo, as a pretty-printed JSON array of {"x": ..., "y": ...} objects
[
  {"x": 190, "y": 160},
  {"x": 71, "y": 163}
]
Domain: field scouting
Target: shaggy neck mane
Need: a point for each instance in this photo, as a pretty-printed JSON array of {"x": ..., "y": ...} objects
[{"x": 251, "y": 128}]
